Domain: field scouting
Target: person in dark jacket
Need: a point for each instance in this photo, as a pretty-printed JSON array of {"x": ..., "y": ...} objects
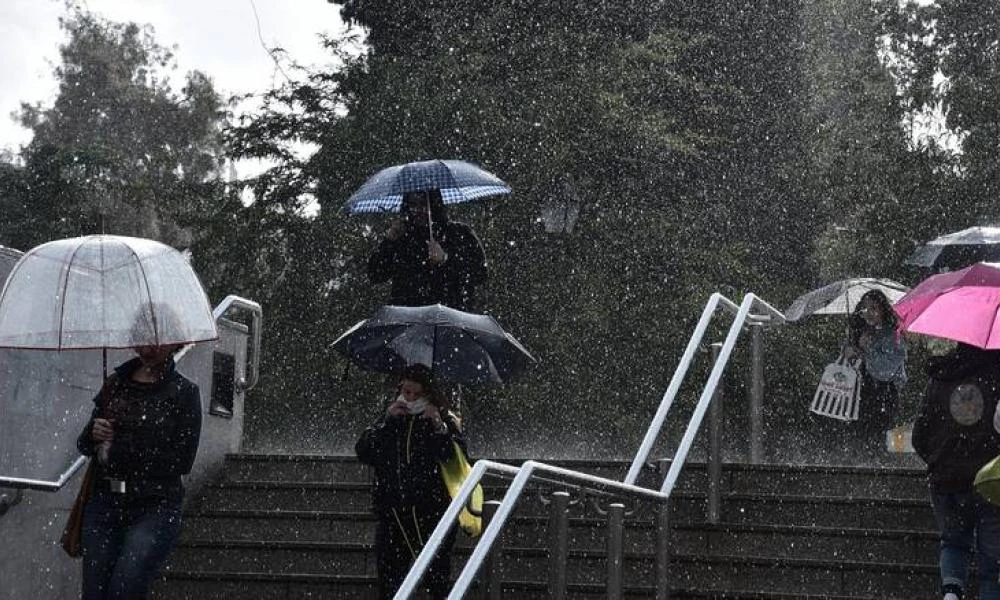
[
  {"x": 954, "y": 435},
  {"x": 143, "y": 435},
  {"x": 405, "y": 447},
  {"x": 427, "y": 258}
]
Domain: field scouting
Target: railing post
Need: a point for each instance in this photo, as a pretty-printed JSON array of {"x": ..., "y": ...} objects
[
  {"x": 663, "y": 551},
  {"x": 756, "y": 393},
  {"x": 491, "y": 575},
  {"x": 616, "y": 536},
  {"x": 558, "y": 544},
  {"x": 714, "y": 446}
]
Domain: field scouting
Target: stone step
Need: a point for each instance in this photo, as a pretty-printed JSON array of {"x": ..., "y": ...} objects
[
  {"x": 775, "y": 541},
  {"x": 587, "y": 569},
  {"x": 737, "y": 477},
  {"x": 301, "y": 527},
  {"x": 836, "y": 511},
  {"x": 247, "y": 586}
]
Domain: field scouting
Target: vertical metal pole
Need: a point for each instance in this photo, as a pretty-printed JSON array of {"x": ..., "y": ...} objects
[
  {"x": 663, "y": 551},
  {"x": 558, "y": 544},
  {"x": 757, "y": 394},
  {"x": 616, "y": 538},
  {"x": 714, "y": 446},
  {"x": 492, "y": 571}
]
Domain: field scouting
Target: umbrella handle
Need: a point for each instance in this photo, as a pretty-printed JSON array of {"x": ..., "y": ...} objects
[{"x": 430, "y": 219}]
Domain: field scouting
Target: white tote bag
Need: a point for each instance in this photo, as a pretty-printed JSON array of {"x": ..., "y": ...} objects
[{"x": 838, "y": 394}]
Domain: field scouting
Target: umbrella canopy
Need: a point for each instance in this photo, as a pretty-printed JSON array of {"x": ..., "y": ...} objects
[
  {"x": 959, "y": 249},
  {"x": 103, "y": 291},
  {"x": 842, "y": 297},
  {"x": 459, "y": 347},
  {"x": 960, "y": 305},
  {"x": 458, "y": 181}
]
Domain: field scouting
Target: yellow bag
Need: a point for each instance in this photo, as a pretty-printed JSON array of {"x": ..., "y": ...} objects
[
  {"x": 453, "y": 473},
  {"x": 988, "y": 481}
]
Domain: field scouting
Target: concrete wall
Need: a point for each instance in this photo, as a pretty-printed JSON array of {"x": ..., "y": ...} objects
[{"x": 45, "y": 398}]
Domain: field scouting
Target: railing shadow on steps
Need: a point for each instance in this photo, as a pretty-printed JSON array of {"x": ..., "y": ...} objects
[{"x": 538, "y": 470}]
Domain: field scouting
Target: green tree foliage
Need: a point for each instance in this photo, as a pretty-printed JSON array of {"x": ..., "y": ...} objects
[
  {"x": 670, "y": 128},
  {"x": 868, "y": 183},
  {"x": 119, "y": 149},
  {"x": 949, "y": 64}
]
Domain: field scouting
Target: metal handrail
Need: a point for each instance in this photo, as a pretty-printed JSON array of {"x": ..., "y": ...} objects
[
  {"x": 256, "y": 314},
  {"x": 528, "y": 468},
  {"x": 715, "y": 301},
  {"x": 40, "y": 484},
  {"x": 742, "y": 316},
  {"x": 253, "y": 376},
  {"x": 492, "y": 531}
]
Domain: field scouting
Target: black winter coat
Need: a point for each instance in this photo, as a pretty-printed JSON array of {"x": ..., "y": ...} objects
[
  {"x": 954, "y": 433},
  {"x": 416, "y": 282},
  {"x": 404, "y": 452},
  {"x": 157, "y": 426}
]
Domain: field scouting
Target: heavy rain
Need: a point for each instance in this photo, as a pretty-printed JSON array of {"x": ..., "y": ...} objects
[{"x": 720, "y": 270}]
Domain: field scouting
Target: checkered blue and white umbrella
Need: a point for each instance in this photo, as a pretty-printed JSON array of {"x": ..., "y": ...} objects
[{"x": 458, "y": 181}]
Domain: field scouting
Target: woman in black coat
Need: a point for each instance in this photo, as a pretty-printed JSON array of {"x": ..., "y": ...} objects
[
  {"x": 143, "y": 435},
  {"x": 405, "y": 447}
]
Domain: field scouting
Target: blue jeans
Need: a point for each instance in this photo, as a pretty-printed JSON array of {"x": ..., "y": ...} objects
[
  {"x": 964, "y": 518},
  {"x": 125, "y": 541}
]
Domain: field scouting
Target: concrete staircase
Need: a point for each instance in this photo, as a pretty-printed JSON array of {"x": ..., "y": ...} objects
[{"x": 283, "y": 527}]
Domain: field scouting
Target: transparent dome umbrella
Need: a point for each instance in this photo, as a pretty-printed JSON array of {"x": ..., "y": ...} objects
[
  {"x": 83, "y": 295},
  {"x": 842, "y": 297},
  {"x": 458, "y": 181},
  {"x": 959, "y": 249},
  {"x": 103, "y": 291},
  {"x": 459, "y": 347}
]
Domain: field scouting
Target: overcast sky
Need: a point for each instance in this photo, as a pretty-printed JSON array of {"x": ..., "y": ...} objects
[{"x": 218, "y": 37}]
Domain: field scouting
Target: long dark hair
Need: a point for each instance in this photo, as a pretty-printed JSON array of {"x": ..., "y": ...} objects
[{"x": 879, "y": 299}]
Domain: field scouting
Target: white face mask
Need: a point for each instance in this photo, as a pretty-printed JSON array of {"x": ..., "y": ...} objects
[{"x": 414, "y": 408}]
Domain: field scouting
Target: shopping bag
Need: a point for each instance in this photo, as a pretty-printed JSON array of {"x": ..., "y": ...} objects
[
  {"x": 72, "y": 535},
  {"x": 838, "y": 394},
  {"x": 453, "y": 473},
  {"x": 987, "y": 481}
]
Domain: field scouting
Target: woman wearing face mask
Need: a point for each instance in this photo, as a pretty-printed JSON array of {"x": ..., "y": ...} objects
[
  {"x": 876, "y": 341},
  {"x": 404, "y": 448}
]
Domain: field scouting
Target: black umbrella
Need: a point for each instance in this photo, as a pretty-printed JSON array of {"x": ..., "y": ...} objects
[
  {"x": 459, "y": 347},
  {"x": 958, "y": 250}
]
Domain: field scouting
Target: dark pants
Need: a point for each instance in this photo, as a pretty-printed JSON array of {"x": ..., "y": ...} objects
[
  {"x": 879, "y": 410},
  {"x": 126, "y": 539},
  {"x": 967, "y": 520},
  {"x": 400, "y": 535}
]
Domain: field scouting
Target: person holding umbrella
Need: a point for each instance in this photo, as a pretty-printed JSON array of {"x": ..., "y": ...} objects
[
  {"x": 955, "y": 436},
  {"x": 875, "y": 340},
  {"x": 427, "y": 258},
  {"x": 143, "y": 434},
  {"x": 405, "y": 447}
]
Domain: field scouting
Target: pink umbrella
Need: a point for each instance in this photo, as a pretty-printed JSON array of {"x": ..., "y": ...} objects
[{"x": 960, "y": 305}]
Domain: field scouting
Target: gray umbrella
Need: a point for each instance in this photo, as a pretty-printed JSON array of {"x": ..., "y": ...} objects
[
  {"x": 959, "y": 249},
  {"x": 842, "y": 297},
  {"x": 459, "y": 347}
]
